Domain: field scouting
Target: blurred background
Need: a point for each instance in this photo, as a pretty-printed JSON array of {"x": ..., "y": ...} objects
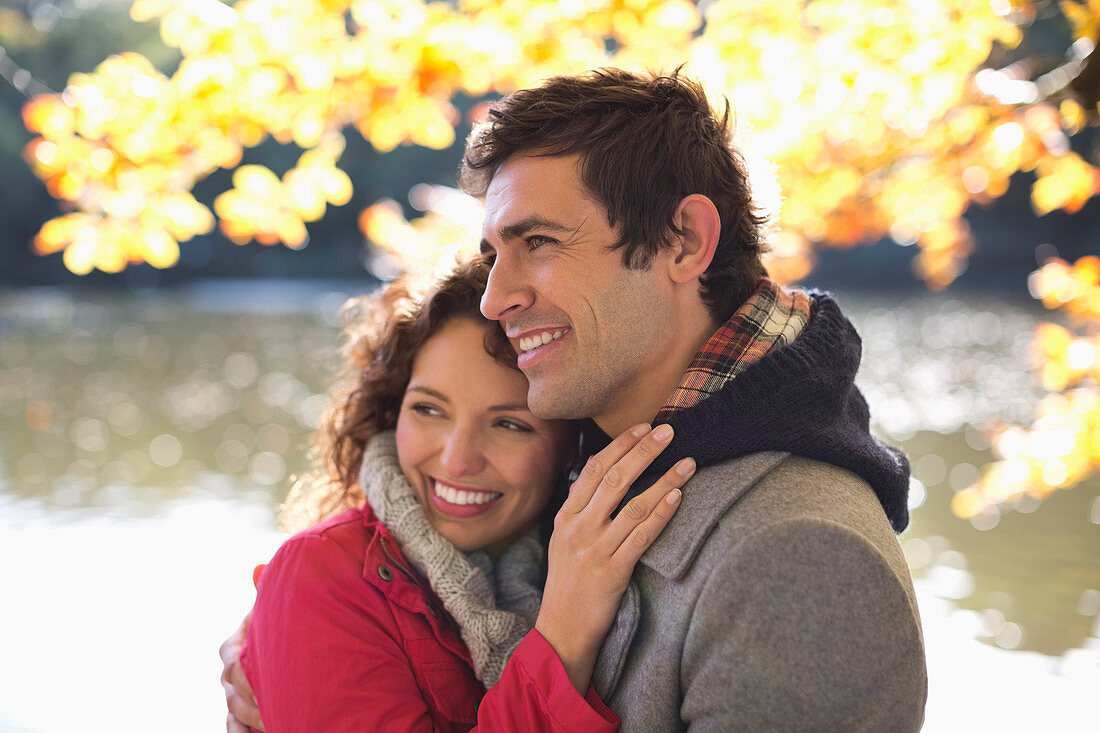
[{"x": 189, "y": 191}]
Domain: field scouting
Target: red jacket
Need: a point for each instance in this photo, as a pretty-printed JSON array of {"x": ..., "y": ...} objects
[{"x": 346, "y": 636}]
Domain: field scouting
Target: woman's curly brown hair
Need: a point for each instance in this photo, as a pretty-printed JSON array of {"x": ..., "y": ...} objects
[{"x": 385, "y": 332}]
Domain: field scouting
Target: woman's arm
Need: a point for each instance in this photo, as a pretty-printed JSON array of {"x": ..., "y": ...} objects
[
  {"x": 323, "y": 651},
  {"x": 324, "y": 654}
]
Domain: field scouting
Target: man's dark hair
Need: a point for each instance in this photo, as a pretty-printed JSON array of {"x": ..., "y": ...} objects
[{"x": 645, "y": 142}]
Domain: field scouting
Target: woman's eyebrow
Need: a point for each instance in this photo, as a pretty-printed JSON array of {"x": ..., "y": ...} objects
[
  {"x": 428, "y": 391},
  {"x": 509, "y": 407}
]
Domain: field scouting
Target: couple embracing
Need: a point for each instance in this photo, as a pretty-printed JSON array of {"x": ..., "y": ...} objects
[{"x": 608, "y": 475}]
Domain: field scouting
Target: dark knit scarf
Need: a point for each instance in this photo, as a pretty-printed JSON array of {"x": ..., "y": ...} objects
[{"x": 801, "y": 399}]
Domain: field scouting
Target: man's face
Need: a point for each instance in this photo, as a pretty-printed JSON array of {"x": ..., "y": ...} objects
[{"x": 588, "y": 330}]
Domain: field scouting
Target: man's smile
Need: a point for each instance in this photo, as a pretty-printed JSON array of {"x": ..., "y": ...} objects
[
  {"x": 534, "y": 345},
  {"x": 531, "y": 341}
]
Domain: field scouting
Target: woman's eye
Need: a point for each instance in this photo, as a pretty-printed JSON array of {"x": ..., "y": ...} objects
[
  {"x": 423, "y": 408},
  {"x": 515, "y": 425}
]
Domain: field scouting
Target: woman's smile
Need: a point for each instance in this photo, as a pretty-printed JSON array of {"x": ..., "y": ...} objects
[{"x": 458, "y": 501}]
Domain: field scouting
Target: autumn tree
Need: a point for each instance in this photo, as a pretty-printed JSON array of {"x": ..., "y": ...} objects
[{"x": 868, "y": 120}]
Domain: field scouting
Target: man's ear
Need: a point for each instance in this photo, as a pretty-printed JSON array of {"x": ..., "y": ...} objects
[{"x": 693, "y": 249}]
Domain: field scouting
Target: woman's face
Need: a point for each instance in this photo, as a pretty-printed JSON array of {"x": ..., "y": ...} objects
[{"x": 482, "y": 466}]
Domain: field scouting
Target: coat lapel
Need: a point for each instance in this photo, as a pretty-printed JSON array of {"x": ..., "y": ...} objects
[
  {"x": 703, "y": 504},
  {"x": 616, "y": 645}
]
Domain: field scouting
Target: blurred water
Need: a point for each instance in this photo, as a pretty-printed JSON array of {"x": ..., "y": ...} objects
[{"x": 147, "y": 441}]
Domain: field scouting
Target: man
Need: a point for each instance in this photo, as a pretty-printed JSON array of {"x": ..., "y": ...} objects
[{"x": 625, "y": 253}]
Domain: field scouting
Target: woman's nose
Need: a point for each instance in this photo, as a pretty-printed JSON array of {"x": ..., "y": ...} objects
[{"x": 462, "y": 455}]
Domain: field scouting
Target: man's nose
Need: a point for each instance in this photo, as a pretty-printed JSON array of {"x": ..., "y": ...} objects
[
  {"x": 462, "y": 454},
  {"x": 507, "y": 291}
]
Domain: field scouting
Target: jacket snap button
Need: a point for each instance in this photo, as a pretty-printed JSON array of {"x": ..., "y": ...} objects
[{"x": 385, "y": 573}]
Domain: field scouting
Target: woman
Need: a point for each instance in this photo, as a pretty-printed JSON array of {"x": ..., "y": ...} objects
[{"x": 400, "y": 612}]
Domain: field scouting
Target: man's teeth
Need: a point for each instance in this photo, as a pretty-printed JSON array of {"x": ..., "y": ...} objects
[
  {"x": 533, "y": 342},
  {"x": 452, "y": 495}
]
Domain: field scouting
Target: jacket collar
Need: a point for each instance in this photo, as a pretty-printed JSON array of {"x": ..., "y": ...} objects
[
  {"x": 403, "y": 586},
  {"x": 706, "y": 497},
  {"x": 705, "y": 500}
]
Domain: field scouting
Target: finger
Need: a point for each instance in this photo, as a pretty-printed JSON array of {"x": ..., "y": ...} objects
[
  {"x": 631, "y": 550},
  {"x": 231, "y": 647},
  {"x": 232, "y": 725},
  {"x": 234, "y": 678},
  {"x": 642, "y": 519},
  {"x": 580, "y": 493},
  {"x": 244, "y": 711},
  {"x": 239, "y": 698},
  {"x": 618, "y": 478}
]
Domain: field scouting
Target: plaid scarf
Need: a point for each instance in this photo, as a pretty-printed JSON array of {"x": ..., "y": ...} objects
[{"x": 770, "y": 319}]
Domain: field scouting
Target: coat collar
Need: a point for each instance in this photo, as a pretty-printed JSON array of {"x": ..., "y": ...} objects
[
  {"x": 706, "y": 498},
  {"x": 613, "y": 653}
]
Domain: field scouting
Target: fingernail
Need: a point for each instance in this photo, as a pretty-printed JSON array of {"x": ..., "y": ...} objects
[
  {"x": 686, "y": 467},
  {"x": 673, "y": 496},
  {"x": 640, "y": 430},
  {"x": 663, "y": 432}
]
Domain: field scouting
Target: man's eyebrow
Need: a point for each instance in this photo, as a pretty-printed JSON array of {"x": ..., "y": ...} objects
[
  {"x": 517, "y": 229},
  {"x": 510, "y": 408}
]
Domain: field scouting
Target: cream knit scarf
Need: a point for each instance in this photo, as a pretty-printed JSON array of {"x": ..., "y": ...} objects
[{"x": 495, "y": 605}]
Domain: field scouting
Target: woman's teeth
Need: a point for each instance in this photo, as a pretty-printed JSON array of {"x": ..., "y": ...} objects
[
  {"x": 459, "y": 497},
  {"x": 533, "y": 342}
]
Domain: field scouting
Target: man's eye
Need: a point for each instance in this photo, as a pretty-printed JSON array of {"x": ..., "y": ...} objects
[{"x": 537, "y": 240}]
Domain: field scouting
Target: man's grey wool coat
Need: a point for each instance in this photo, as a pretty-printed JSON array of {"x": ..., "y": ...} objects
[{"x": 777, "y": 599}]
